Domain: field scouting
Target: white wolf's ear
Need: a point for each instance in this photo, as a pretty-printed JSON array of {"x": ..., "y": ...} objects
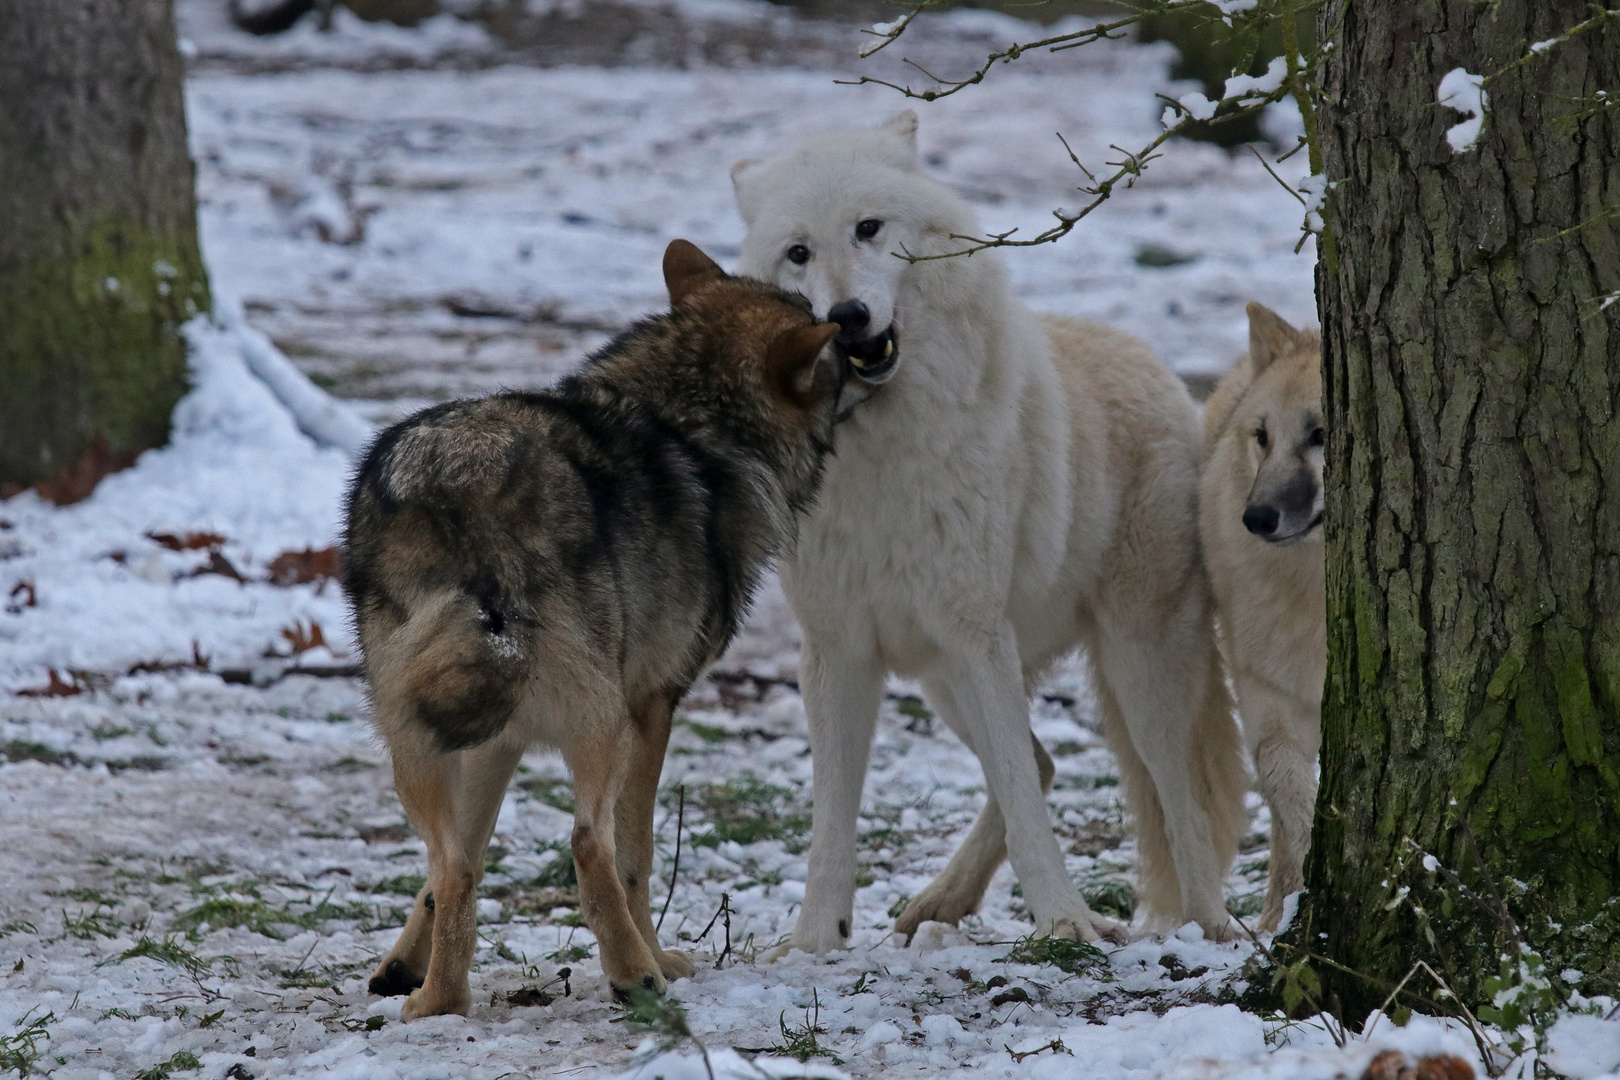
[
  {"x": 1269, "y": 336},
  {"x": 747, "y": 192},
  {"x": 687, "y": 269},
  {"x": 901, "y": 129}
]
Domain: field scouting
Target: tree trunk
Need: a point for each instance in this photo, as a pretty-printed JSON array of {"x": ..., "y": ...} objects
[
  {"x": 99, "y": 263},
  {"x": 1473, "y": 398}
]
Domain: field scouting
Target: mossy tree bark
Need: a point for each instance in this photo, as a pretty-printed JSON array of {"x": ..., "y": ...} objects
[
  {"x": 1473, "y": 393},
  {"x": 99, "y": 264}
]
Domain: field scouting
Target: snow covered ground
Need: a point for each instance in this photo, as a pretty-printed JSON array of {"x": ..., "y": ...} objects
[{"x": 203, "y": 856}]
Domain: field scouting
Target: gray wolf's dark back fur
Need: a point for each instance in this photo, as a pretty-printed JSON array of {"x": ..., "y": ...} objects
[{"x": 631, "y": 510}]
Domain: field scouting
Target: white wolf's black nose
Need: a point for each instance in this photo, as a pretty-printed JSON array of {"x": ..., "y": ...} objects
[
  {"x": 1261, "y": 520},
  {"x": 852, "y": 318}
]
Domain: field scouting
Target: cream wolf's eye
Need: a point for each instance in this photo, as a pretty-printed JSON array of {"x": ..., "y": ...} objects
[
  {"x": 1262, "y": 438},
  {"x": 1318, "y": 437},
  {"x": 798, "y": 254},
  {"x": 867, "y": 229}
]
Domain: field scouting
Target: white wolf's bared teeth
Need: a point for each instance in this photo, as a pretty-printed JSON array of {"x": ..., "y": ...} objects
[{"x": 888, "y": 348}]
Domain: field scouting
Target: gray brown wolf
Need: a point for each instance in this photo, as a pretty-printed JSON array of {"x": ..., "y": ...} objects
[
  {"x": 1260, "y": 517},
  {"x": 557, "y": 568},
  {"x": 1010, "y": 488}
]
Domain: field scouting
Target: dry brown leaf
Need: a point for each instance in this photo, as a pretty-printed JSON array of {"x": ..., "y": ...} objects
[
  {"x": 301, "y": 567},
  {"x": 56, "y": 688},
  {"x": 303, "y": 639},
  {"x": 191, "y": 541},
  {"x": 77, "y": 481}
]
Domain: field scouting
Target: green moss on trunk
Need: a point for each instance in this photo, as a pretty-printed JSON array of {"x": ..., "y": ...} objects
[{"x": 1474, "y": 541}]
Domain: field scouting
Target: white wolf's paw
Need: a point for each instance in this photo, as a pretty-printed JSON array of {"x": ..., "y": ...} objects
[
  {"x": 813, "y": 940},
  {"x": 939, "y": 902},
  {"x": 1083, "y": 925}
]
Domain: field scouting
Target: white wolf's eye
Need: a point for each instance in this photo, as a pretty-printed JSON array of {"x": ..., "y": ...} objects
[
  {"x": 1318, "y": 437},
  {"x": 798, "y": 254},
  {"x": 867, "y": 229},
  {"x": 1262, "y": 438}
]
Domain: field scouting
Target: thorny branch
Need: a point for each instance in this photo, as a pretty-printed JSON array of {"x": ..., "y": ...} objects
[{"x": 1297, "y": 84}]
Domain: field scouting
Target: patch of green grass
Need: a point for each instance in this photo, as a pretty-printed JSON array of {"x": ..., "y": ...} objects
[
  {"x": 21, "y": 750},
  {"x": 338, "y": 718},
  {"x": 20, "y": 1049},
  {"x": 1115, "y": 898},
  {"x": 559, "y": 873},
  {"x": 108, "y": 730},
  {"x": 169, "y": 951},
  {"x": 222, "y": 912},
  {"x": 749, "y": 810},
  {"x": 1247, "y": 906},
  {"x": 19, "y": 926},
  {"x": 557, "y": 794},
  {"x": 403, "y": 885},
  {"x": 800, "y": 1040},
  {"x": 709, "y": 733},
  {"x": 1075, "y": 957},
  {"x": 181, "y": 1062},
  {"x": 90, "y": 926},
  {"x": 569, "y": 954}
]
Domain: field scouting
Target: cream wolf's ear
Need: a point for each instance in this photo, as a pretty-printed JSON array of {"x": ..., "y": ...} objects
[
  {"x": 1269, "y": 336},
  {"x": 743, "y": 175},
  {"x": 901, "y": 143},
  {"x": 687, "y": 269}
]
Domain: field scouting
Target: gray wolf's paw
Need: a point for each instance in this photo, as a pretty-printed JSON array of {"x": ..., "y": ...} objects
[
  {"x": 939, "y": 902},
  {"x": 444, "y": 1003},
  {"x": 676, "y": 964},
  {"x": 393, "y": 979}
]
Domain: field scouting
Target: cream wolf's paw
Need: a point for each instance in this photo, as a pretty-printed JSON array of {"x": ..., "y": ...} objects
[
  {"x": 675, "y": 964},
  {"x": 443, "y": 1003},
  {"x": 1083, "y": 925},
  {"x": 938, "y": 902}
]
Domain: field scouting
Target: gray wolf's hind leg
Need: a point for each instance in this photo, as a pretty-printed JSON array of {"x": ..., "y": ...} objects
[{"x": 633, "y": 827}]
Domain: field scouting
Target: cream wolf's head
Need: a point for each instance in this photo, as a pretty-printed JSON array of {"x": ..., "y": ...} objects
[
  {"x": 830, "y": 220},
  {"x": 1280, "y": 418}
]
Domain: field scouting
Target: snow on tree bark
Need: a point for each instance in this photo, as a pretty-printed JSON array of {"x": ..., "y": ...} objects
[
  {"x": 99, "y": 264},
  {"x": 1473, "y": 400}
]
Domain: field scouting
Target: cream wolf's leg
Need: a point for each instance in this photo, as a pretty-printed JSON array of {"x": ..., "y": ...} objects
[
  {"x": 483, "y": 774},
  {"x": 959, "y": 888},
  {"x": 987, "y": 686},
  {"x": 633, "y": 824},
  {"x": 1176, "y": 717},
  {"x": 842, "y": 691},
  {"x": 1284, "y": 735}
]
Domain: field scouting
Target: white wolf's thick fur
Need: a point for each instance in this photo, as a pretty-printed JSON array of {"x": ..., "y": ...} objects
[
  {"x": 1019, "y": 487},
  {"x": 1270, "y": 597}
]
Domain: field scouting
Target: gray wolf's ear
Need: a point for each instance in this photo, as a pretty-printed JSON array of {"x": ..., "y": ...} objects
[
  {"x": 790, "y": 361},
  {"x": 901, "y": 149},
  {"x": 1269, "y": 336},
  {"x": 687, "y": 269},
  {"x": 746, "y": 191}
]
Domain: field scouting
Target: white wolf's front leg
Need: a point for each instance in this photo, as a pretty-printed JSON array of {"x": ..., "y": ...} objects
[
  {"x": 841, "y": 695},
  {"x": 988, "y": 689}
]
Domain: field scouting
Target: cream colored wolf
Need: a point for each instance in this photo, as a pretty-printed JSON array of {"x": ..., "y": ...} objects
[
  {"x": 1008, "y": 489},
  {"x": 1260, "y": 516}
]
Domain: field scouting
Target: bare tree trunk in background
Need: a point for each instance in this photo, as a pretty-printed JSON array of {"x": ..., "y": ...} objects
[
  {"x": 99, "y": 264},
  {"x": 1473, "y": 395}
]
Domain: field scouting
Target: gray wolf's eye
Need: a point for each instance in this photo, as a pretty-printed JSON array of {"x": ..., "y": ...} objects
[
  {"x": 798, "y": 254},
  {"x": 868, "y": 228},
  {"x": 1262, "y": 438}
]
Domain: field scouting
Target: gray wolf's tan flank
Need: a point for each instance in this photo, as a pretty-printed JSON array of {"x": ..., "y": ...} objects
[
  {"x": 1260, "y": 517},
  {"x": 558, "y": 568}
]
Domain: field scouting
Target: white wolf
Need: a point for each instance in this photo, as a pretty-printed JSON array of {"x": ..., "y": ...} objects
[
  {"x": 1260, "y": 515},
  {"x": 1009, "y": 489}
]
